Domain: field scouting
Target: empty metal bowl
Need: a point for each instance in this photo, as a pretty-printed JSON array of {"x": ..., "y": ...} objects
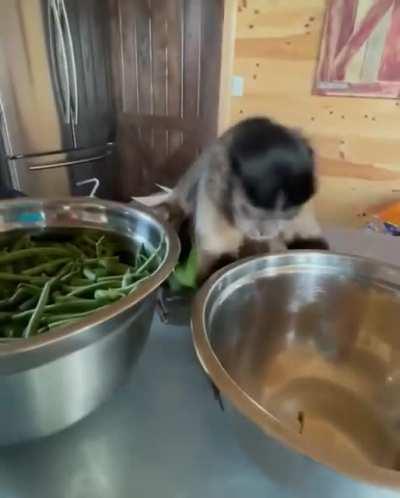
[
  {"x": 50, "y": 381},
  {"x": 306, "y": 346}
]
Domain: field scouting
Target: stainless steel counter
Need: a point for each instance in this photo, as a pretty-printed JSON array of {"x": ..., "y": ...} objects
[{"x": 164, "y": 434}]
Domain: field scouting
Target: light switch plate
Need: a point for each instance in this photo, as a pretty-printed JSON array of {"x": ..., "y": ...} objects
[{"x": 237, "y": 86}]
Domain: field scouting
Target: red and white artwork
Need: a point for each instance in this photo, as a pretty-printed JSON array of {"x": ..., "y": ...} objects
[{"x": 360, "y": 49}]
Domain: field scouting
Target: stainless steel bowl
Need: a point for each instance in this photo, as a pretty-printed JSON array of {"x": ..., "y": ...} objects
[
  {"x": 306, "y": 346},
  {"x": 50, "y": 381}
]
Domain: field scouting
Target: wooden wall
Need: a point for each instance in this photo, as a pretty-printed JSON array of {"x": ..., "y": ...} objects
[{"x": 357, "y": 140}]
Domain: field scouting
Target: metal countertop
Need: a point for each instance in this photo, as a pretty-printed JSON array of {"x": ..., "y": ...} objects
[{"x": 164, "y": 434}]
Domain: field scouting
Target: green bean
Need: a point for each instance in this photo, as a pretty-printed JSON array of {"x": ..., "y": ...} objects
[
  {"x": 114, "y": 267},
  {"x": 37, "y": 314},
  {"x": 127, "y": 277},
  {"x": 77, "y": 304},
  {"x": 149, "y": 261},
  {"x": 100, "y": 261},
  {"x": 49, "y": 282},
  {"x": 120, "y": 292},
  {"x": 32, "y": 290},
  {"x": 112, "y": 278},
  {"x": 5, "y": 316},
  {"x": 109, "y": 294},
  {"x": 89, "y": 274},
  {"x": 14, "y": 300},
  {"x": 49, "y": 267},
  {"x": 99, "y": 246},
  {"x": 42, "y": 330},
  {"x": 108, "y": 250},
  {"x": 22, "y": 243},
  {"x": 68, "y": 276},
  {"x": 11, "y": 277},
  {"x": 8, "y": 331},
  {"x": 138, "y": 256},
  {"x": 79, "y": 282},
  {"x": 88, "y": 240},
  {"x": 86, "y": 252},
  {"x": 77, "y": 291},
  {"x": 101, "y": 273},
  {"x": 75, "y": 250},
  {"x": 61, "y": 323},
  {"x": 67, "y": 316},
  {"x": 12, "y": 329},
  {"x": 28, "y": 303},
  {"x": 64, "y": 305},
  {"x": 131, "y": 288},
  {"x": 33, "y": 252},
  {"x": 8, "y": 268},
  {"x": 71, "y": 264}
]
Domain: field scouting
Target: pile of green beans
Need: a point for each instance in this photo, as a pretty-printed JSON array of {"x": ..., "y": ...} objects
[{"x": 46, "y": 282}]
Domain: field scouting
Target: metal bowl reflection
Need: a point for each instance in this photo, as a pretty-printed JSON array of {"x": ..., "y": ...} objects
[
  {"x": 50, "y": 381},
  {"x": 307, "y": 346}
]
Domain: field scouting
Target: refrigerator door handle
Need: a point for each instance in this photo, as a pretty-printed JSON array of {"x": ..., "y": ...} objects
[
  {"x": 74, "y": 78},
  {"x": 63, "y": 164},
  {"x": 96, "y": 184},
  {"x": 4, "y": 131},
  {"x": 5, "y": 136},
  {"x": 61, "y": 65}
]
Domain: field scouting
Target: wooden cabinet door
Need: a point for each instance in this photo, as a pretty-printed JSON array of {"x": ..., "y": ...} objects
[{"x": 166, "y": 57}]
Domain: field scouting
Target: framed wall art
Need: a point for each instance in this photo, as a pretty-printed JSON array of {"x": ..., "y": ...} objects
[{"x": 360, "y": 49}]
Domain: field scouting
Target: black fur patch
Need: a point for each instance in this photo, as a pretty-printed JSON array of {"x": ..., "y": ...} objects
[
  {"x": 185, "y": 236},
  {"x": 318, "y": 244},
  {"x": 271, "y": 160}
]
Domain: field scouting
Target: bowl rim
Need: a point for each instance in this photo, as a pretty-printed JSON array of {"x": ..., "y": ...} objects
[
  {"x": 84, "y": 326},
  {"x": 247, "y": 406}
]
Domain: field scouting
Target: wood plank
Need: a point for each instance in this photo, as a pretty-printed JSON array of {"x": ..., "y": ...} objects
[
  {"x": 115, "y": 53},
  {"x": 268, "y": 19},
  {"x": 289, "y": 48},
  {"x": 168, "y": 41},
  {"x": 334, "y": 167},
  {"x": 144, "y": 66},
  {"x": 136, "y": 163},
  {"x": 178, "y": 162},
  {"x": 213, "y": 12},
  {"x": 343, "y": 116},
  {"x": 192, "y": 57},
  {"x": 227, "y": 62},
  {"x": 171, "y": 123},
  {"x": 159, "y": 38},
  {"x": 174, "y": 21},
  {"x": 130, "y": 83},
  {"x": 359, "y": 199}
]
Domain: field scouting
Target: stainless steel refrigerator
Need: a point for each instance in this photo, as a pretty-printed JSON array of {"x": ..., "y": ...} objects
[{"x": 56, "y": 113}]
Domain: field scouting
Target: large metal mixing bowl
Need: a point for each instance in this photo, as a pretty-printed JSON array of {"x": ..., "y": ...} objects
[
  {"x": 306, "y": 346},
  {"x": 48, "y": 382}
]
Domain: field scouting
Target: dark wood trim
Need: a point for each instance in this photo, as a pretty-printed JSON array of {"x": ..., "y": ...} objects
[{"x": 167, "y": 122}]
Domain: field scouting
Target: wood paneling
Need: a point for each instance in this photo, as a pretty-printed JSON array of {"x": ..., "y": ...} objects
[
  {"x": 166, "y": 67},
  {"x": 227, "y": 62},
  {"x": 357, "y": 140}
]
